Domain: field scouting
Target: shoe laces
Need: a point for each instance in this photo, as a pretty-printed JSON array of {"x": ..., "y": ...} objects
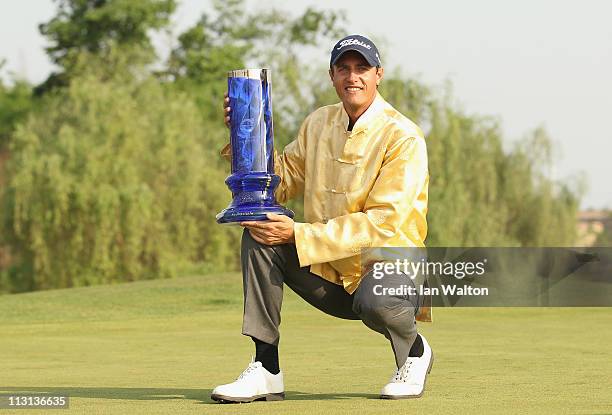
[
  {"x": 403, "y": 373},
  {"x": 251, "y": 368}
]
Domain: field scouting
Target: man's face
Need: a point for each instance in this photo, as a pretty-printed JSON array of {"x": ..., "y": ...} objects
[{"x": 355, "y": 81}]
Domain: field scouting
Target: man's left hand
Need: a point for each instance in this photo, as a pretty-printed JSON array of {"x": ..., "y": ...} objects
[{"x": 278, "y": 229}]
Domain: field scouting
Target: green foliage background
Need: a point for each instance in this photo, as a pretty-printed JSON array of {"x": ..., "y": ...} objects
[{"x": 110, "y": 168}]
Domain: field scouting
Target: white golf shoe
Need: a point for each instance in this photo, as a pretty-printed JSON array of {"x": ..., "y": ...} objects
[
  {"x": 409, "y": 380},
  {"x": 255, "y": 383}
]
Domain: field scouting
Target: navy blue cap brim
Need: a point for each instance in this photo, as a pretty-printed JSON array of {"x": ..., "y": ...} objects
[{"x": 371, "y": 61}]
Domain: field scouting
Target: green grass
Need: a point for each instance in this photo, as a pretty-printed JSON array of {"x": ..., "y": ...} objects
[{"x": 159, "y": 347}]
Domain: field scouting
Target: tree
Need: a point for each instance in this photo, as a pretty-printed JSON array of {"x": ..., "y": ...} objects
[
  {"x": 15, "y": 103},
  {"x": 98, "y": 26},
  {"x": 111, "y": 181}
]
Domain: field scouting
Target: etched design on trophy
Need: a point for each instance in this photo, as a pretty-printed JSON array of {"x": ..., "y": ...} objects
[{"x": 252, "y": 181}]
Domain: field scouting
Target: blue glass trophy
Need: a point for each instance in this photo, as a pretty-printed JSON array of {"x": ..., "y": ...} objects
[{"x": 252, "y": 181}]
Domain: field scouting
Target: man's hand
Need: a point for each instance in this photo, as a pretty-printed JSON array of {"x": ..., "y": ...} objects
[
  {"x": 278, "y": 229},
  {"x": 226, "y": 110}
]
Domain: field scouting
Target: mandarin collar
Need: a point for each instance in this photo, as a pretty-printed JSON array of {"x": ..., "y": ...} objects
[{"x": 376, "y": 107}]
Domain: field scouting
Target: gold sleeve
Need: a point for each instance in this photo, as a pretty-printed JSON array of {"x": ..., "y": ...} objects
[
  {"x": 400, "y": 180},
  {"x": 226, "y": 152},
  {"x": 290, "y": 167}
]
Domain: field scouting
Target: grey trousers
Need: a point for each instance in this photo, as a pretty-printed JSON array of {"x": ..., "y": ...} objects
[{"x": 266, "y": 268}]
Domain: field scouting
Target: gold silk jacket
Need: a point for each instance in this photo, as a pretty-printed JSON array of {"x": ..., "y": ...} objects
[{"x": 362, "y": 188}]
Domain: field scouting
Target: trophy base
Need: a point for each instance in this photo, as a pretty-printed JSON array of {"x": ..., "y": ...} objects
[
  {"x": 253, "y": 198},
  {"x": 235, "y": 215}
]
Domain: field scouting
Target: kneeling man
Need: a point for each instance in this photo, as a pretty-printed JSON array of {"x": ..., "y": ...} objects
[{"x": 361, "y": 167}]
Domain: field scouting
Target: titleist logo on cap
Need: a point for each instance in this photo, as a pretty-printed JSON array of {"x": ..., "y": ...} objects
[{"x": 347, "y": 42}]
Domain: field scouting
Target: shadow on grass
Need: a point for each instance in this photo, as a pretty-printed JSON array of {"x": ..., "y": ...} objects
[
  {"x": 302, "y": 396},
  {"x": 154, "y": 394}
]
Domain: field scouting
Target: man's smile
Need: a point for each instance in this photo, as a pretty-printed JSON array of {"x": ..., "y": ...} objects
[{"x": 353, "y": 88}]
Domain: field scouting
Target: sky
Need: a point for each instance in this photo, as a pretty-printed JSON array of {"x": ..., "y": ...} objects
[{"x": 530, "y": 63}]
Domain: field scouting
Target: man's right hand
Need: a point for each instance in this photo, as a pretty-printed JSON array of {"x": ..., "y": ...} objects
[{"x": 226, "y": 110}]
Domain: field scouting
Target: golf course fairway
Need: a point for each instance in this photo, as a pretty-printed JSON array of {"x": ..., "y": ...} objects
[{"x": 159, "y": 347}]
